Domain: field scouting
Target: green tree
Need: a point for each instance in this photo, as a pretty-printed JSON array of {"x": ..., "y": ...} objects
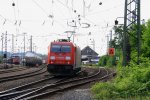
[
  {"x": 103, "y": 60},
  {"x": 145, "y": 48},
  {"x": 118, "y": 37}
]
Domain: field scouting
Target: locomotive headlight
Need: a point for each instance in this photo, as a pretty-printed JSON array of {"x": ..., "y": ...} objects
[
  {"x": 68, "y": 58},
  {"x": 52, "y": 57}
]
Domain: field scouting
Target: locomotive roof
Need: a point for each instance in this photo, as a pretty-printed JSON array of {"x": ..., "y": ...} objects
[{"x": 63, "y": 43}]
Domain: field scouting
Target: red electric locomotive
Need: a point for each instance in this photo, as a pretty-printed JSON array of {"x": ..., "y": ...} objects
[{"x": 64, "y": 58}]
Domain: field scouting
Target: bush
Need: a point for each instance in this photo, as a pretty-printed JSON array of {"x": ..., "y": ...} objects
[
  {"x": 111, "y": 61},
  {"x": 103, "y": 60},
  {"x": 129, "y": 81},
  {"x": 102, "y": 90}
]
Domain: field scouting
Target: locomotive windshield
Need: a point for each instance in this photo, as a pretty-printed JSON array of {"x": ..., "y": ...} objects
[{"x": 60, "y": 48}]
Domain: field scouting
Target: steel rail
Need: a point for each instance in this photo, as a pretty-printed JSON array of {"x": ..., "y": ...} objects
[
  {"x": 66, "y": 88},
  {"x": 3, "y": 79},
  {"x": 24, "y": 86},
  {"x": 53, "y": 85},
  {"x": 23, "y": 74},
  {"x": 17, "y": 90},
  {"x": 12, "y": 70},
  {"x": 20, "y": 76},
  {"x": 7, "y": 92},
  {"x": 32, "y": 89}
]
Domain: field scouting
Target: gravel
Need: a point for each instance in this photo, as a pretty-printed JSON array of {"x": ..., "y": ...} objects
[
  {"x": 18, "y": 82},
  {"x": 19, "y": 72},
  {"x": 75, "y": 94},
  {"x": 78, "y": 93}
]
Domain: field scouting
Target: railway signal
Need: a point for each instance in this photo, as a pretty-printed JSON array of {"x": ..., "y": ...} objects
[
  {"x": 5, "y": 56},
  {"x": 116, "y": 22},
  {"x": 111, "y": 51}
]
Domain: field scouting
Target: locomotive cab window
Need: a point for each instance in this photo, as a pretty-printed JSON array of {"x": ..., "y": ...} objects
[
  {"x": 60, "y": 48},
  {"x": 65, "y": 49},
  {"x": 55, "y": 48}
]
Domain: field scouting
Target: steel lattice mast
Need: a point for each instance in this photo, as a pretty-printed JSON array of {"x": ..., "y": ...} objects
[{"x": 131, "y": 17}]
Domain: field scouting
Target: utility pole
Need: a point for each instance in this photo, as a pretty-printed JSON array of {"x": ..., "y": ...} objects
[
  {"x": 2, "y": 37},
  {"x": 31, "y": 43},
  {"x": 124, "y": 34},
  {"x": 24, "y": 43},
  {"x": 6, "y": 44},
  {"x": 24, "y": 49},
  {"x": 5, "y": 55},
  {"x": 107, "y": 43},
  {"x": 131, "y": 17},
  {"x": 110, "y": 38},
  {"x": 12, "y": 47},
  {"x": 12, "y": 43},
  {"x": 138, "y": 29}
]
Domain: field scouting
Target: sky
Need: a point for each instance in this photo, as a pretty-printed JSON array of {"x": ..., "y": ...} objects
[{"x": 49, "y": 20}]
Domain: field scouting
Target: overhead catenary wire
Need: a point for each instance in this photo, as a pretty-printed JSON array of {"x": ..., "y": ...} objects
[
  {"x": 37, "y": 4},
  {"x": 53, "y": 20},
  {"x": 76, "y": 12},
  {"x": 58, "y": 21},
  {"x": 106, "y": 10},
  {"x": 10, "y": 21}
]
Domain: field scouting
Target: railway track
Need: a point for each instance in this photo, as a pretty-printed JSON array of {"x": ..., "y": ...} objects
[
  {"x": 21, "y": 90},
  {"x": 12, "y": 70},
  {"x": 25, "y": 75},
  {"x": 60, "y": 85}
]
